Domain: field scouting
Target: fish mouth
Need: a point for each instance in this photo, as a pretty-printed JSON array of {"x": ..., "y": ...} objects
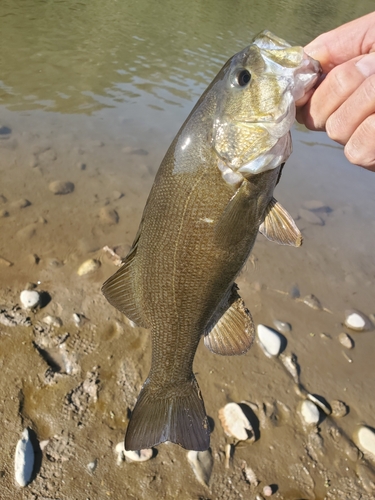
[{"x": 309, "y": 72}]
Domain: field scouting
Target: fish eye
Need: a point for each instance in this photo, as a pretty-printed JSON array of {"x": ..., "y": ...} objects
[{"x": 243, "y": 77}]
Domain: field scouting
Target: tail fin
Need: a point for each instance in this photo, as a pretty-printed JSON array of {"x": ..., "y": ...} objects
[{"x": 177, "y": 415}]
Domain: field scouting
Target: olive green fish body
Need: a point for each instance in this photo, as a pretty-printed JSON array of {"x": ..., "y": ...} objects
[{"x": 212, "y": 194}]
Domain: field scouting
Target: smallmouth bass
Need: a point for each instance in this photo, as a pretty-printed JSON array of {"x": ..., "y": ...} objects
[{"x": 212, "y": 194}]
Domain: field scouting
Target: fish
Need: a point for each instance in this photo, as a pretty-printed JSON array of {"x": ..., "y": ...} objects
[{"x": 212, "y": 195}]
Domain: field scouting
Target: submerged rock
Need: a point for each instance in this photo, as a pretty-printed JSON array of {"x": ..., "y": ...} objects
[
  {"x": 61, "y": 187},
  {"x": 282, "y": 326},
  {"x": 345, "y": 340},
  {"x": 24, "y": 459},
  {"x": 311, "y": 217},
  {"x": 313, "y": 302}
]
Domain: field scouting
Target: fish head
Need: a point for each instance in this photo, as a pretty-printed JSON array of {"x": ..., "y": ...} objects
[{"x": 258, "y": 88}]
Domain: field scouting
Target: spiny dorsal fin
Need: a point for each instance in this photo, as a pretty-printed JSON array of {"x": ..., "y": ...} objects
[
  {"x": 231, "y": 331},
  {"x": 279, "y": 226},
  {"x": 120, "y": 290}
]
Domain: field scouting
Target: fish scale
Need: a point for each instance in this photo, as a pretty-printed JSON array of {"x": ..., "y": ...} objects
[{"x": 212, "y": 194}]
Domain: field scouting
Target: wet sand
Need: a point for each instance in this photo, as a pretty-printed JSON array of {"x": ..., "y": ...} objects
[{"x": 74, "y": 385}]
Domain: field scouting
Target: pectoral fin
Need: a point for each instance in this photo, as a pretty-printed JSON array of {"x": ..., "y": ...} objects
[
  {"x": 120, "y": 290},
  {"x": 231, "y": 331},
  {"x": 279, "y": 226}
]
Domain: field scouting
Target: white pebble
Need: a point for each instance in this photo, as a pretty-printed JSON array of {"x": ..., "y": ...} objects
[
  {"x": 267, "y": 491},
  {"x": 139, "y": 455},
  {"x": 235, "y": 423},
  {"x": 365, "y": 438},
  {"x": 355, "y": 320},
  {"x": 269, "y": 340},
  {"x": 24, "y": 459},
  {"x": 52, "y": 321},
  {"x": 309, "y": 412},
  {"x": 345, "y": 340},
  {"x": 88, "y": 266},
  {"x": 202, "y": 463},
  {"x": 29, "y": 298}
]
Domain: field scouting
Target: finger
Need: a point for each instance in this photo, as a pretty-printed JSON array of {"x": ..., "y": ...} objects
[
  {"x": 336, "y": 88},
  {"x": 360, "y": 149},
  {"x": 344, "y": 43},
  {"x": 341, "y": 125}
]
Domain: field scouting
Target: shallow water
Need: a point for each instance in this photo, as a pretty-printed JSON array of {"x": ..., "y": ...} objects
[{"x": 93, "y": 92}]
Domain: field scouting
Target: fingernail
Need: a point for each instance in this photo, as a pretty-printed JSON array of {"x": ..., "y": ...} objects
[{"x": 366, "y": 65}]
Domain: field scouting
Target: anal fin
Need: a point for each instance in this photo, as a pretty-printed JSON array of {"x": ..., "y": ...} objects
[
  {"x": 279, "y": 226},
  {"x": 120, "y": 291},
  {"x": 231, "y": 331}
]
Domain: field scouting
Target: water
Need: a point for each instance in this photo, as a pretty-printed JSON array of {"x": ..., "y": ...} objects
[{"x": 93, "y": 92}]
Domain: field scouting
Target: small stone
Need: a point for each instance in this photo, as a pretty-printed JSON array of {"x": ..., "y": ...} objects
[
  {"x": 116, "y": 195},
  {"x": 339, "y": 408},
  {"x": 139, "y": 456},
  {"x": 27, "y": 232},
  {"x": 355, "y": 320},
  {"x": 29, "y": 299},
  {"x": 309, "y": 412},
  {"x": 81, "y": 165},
  {"x": 48, "y": 155},
  {"x": 61, "y": 187},
  {"x": 267, "y": 491},
  {"x": 316, "y": 205},
  {"x": 79, "y": 319},
  {"x": 282, "y": 326},
  {"x": 235, "y": 423},
  {"x": 365, "y": 438},
  {"x": 33, "y": 162},
  {"x": 34, "y": 258},
  {"x": 52, "y": 321},
  {"x": 313, "y": 302},
  {"x": 345, "y": 340},
  {"x": 88, "y": 266},
  {"x": 202, "y": 463},
  {"x": 5, "y": 262},
  {"x": 22, "y": 203},
  {"x": 269, "y": 340},
  {"x": 108, "y": 216},
  {"x": 119, "y": 450},
  {"x": 5, "y": 131},
  {"x": 2, "y": 199},
  {"x": 310, "y": 217},
  {"x": 24, "y": 460},
  {"x": 294, "y": 292},
  {"x": 92, "y": 466},
  {"x": 4, "y": 213},
  {"x": 320, "y": 403}
]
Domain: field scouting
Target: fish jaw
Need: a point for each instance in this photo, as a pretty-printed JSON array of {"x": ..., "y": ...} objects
[{"x": 252, "y": 122}]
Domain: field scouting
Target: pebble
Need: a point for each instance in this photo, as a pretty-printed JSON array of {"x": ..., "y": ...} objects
[
  {"x": 33, "y": 162},
  {"x": 116, "y": 195},
  {"x": 355, "y": 320},
  {"x": 5, "y": 131},
  {"x": 365, "y": 438},
  {"x": 5, "y": 262},
  {"x": 139, "y": 455},
  {"x": 48, "y": 155},
  {"x": 313, "y": 302},
  {"x": 345, "y": 340},
  {"x": 29, "y": 298},
  {"x": 27, "y": 232},
  {"x": 202, "y": 463},
  {"x": 24, "y": 459},
  {"x": 108, "y": 215},
  {"x": 81, "y": 165},
  {"x": 34, "y": 258},
  {"x": 269, "y": 340},
  {"x": 235, "y": 423},
  {"x": 119, "y": 450},
  {"x": 61, "y": 187},
  {"x": 367, "y": 476},
  {"x": 310, "y": 217},
  {"x": 319, "y": 403},
  {"x": 3, "y": 199},
  {"x": 4, "y": 213},
  {"x": 339, "y": 408},
  {"x": 316, "y": 205},
  {"x": 88, "y": 266},
  {"x": 267, "y": 491},
  {"x": 22, "y": 203},
  {"x": 294, "y": 292},
  {"x": 309, "y": 412},
  {"x": 282, "y": 326},
  {"x": 92, "y": 466},
  {"x": 52, "y": 321},
  {"x": 290, "y": 363}
]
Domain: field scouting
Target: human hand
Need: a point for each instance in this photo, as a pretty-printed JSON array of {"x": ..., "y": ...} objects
[{"x": 344, "y": 103}]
